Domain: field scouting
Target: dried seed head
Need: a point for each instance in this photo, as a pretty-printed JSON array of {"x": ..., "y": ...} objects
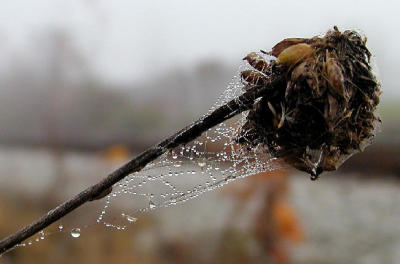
[{"x": 323, "y": 111}]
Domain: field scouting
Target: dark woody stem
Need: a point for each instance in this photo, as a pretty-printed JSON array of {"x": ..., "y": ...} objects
[{"x": 184, "y": 136}]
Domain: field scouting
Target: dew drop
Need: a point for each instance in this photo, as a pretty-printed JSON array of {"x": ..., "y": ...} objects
[
  {"x": 174, "y": 156},
  {"x": 76, "y": 232},
  {"x": 152, "y": 205},
  {"x": 131, "y": 219},
  {"x": 201, "y": 164}
]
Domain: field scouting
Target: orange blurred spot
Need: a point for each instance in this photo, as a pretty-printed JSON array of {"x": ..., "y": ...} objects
[
  {"x": 287, "y": 223},
  {"x": 267, "y": 175},
  {"x": 116, "y": 153}
]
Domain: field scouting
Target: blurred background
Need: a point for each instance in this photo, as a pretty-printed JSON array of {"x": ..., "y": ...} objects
[{"x": 87, "y": 84}]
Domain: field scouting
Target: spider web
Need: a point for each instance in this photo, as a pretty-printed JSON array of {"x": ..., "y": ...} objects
[
  {"x": 207, "y": 163},
  {"x": 186, "y": 172}
]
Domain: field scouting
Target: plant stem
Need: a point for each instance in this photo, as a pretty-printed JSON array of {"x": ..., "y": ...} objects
[{"x": 184, "y": 136}]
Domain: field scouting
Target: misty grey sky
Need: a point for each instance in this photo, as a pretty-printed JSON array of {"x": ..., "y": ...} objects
[{"x": 126, "y": 40}]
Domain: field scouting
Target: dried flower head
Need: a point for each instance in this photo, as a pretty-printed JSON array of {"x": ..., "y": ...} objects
[{"x": 323, "y": 111}]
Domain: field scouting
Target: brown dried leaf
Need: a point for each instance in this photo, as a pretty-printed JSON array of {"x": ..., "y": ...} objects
[
  {"x": 293, "y": 54},
  {"x": 334, "y": 75},
  {"x": 278, "y": 48},
  {"x": 257, "y": 62}
]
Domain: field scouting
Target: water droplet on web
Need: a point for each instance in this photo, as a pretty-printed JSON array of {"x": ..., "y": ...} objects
[
  {"x": 174, "y": 156},
  {"x": 152, "y": 205},
  {"x": 60, "y": 227},
  {"x": 131, "y": 219},
  {"x": 76, "y": 232},
  {"x": 41, "y": 235},
  {"x": 202, "y": 164}
]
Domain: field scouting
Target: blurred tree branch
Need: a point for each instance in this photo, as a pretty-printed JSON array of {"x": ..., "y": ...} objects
[{"x": 184, "y": 136}]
